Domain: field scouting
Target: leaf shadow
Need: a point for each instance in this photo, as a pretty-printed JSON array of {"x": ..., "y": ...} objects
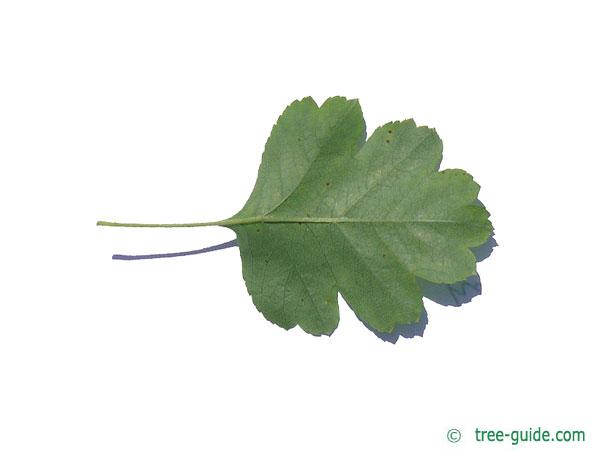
[{"x": 455, "y": 295}]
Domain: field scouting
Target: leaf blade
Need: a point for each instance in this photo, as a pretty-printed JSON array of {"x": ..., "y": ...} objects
[{"x": 363, "y": 217}]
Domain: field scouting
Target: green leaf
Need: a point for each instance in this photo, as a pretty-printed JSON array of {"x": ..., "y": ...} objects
[{"x": 333, "y": 212}]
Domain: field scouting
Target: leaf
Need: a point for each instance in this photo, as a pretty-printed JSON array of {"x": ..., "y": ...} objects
[{"x": 333, "y": 212}]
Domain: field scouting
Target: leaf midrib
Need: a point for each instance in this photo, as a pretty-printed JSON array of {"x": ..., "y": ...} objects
[{"x": 274, "y": 219}]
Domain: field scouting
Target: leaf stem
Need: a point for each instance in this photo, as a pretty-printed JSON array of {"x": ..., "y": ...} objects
[
  {"x": 222, "y": 223},
  {"x": 102, "y": 223}
]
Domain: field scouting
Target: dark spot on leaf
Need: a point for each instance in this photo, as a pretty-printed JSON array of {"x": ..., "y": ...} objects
[
  {"x": 327, "y": 184},
  {"x": 387, "y": 141},
  {"x": 258, "y": 230},
  {"x": 299, "y": 139},
  {"x": 266, "y": 261},
  {"x": 390, "y": 131}
]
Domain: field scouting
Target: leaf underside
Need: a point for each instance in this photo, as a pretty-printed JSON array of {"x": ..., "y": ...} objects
[{"x": 333, "y": 212}]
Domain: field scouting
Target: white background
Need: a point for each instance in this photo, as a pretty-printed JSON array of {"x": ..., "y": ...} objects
[{"x": 158, "y": 111}]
